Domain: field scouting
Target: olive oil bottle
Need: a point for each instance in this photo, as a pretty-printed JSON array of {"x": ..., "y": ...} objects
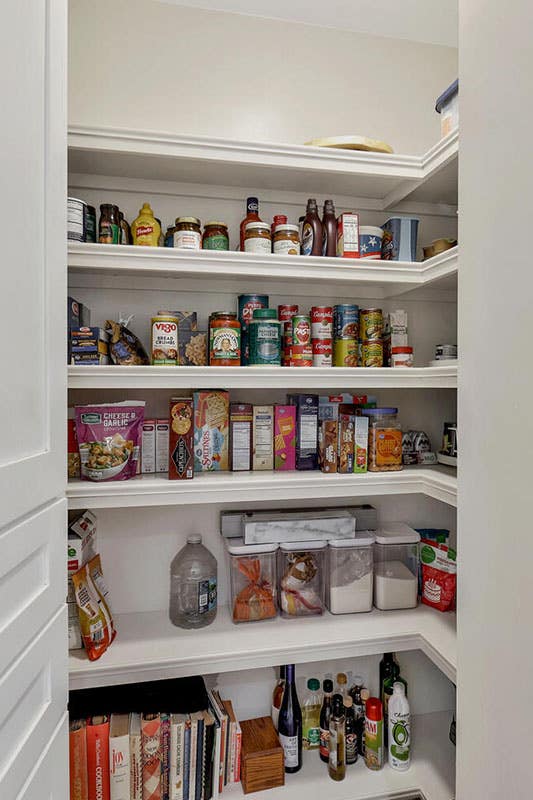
[{"x": 337, "y": 740}]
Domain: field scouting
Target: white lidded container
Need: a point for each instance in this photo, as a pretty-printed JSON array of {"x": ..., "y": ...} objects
[
  {"x": 253, "y": 580},
  {"x": 396, "y": 566},
  {"x": 350, "y": 574},
  {"x": 301, "y": 575}
]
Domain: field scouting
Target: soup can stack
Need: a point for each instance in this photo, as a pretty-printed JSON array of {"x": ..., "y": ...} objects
[
  {"x": 285, "y": 314},
  {"x": 301, "y": 350},
  {"x": 371, "y": 336},
  {"x": 345, "y": 335},
  {"x": 322, "y": 335}
]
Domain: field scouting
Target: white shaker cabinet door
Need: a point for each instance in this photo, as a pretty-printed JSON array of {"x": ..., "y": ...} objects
[{"x": 33, "y": 634}]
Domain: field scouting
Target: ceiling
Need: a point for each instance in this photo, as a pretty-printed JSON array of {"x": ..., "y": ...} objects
[{"x": 430, "y": 21}]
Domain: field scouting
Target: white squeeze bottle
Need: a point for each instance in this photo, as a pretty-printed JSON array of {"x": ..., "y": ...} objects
[{"x": 399, "y": 729}]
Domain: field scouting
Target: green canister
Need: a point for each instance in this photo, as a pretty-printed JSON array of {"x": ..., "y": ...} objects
[{"x": 265, "y": 338}]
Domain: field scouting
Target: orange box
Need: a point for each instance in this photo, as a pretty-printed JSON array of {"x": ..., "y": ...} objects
[{"x": 284, "y": 437}]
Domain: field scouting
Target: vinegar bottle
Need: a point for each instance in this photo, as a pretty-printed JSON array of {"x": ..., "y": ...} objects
[
  {"x": 193, "y": 585},
  {"x": 337, "y": 740},
  {"x": 325, "y": 716}
]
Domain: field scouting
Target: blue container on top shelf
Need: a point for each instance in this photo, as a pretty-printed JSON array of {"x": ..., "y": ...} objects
[{"x": 401, "y": 244}]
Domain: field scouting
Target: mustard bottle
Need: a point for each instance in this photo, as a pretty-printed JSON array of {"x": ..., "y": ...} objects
[{"x": 146, "y": 230}]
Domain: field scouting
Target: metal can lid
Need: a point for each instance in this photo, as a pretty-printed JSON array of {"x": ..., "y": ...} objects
[
  {"x": 256, "y": 226},
  {"x": 287, "y": 227},
  {"x": 215, "y": 224},
  {"x": 193, "y": 220}
]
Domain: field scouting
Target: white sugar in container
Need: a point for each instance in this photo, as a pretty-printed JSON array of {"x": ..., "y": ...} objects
[
  {"x": 396, "y": 566},
  {"x": 349, "y": 578}
]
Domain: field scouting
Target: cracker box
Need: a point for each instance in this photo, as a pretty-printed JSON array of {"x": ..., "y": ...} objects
[
  {"x": 148, "y": 446},
  {"x": 306, "y": 429},
  {"x": 162, "y": 430},
  {"x": 180, "y": 439},
  {"x": 284, "y": 437},
  {"x": 241, "y": 417},
  {"x": 360, "y": 463},
  {"x": 348, "y": 236},
  {"x": 328, "y": 433},
  {"x": 263, "y": 446},
  {"x": 346, "y": 438},
  {"x": 211, "y": 431}
]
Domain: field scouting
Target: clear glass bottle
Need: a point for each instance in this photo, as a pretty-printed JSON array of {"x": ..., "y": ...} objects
[
  {"x": 311, "y": 716},
  {"x": 193, "y": 585},
  {"x": 342, "y": 684},
  {"x": 337, "y": 740}
]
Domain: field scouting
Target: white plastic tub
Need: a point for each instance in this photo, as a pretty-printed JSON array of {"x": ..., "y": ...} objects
[{"x": 396, "y": 567}]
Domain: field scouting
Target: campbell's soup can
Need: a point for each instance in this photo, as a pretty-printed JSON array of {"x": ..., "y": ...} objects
[
  {"x": 370, "y": 324},
  {"x": 322, "y": 322},
  {"x": 301, "y": 330},
  {"x": 286, "y": 312},
  {"x": 346, "y": 321},
  {"x": 322, "y": 352},
  {"x": 345, "y": 352},
  {"x": 301, "y": 355},
  {"x": 164, "y": 340},
  {"x": 372, "y": 353}
]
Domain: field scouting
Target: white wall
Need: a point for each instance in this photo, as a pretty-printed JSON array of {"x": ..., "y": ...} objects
[
  {"x": 495, "y": 642},
  {"x": 153, "y": 66}
]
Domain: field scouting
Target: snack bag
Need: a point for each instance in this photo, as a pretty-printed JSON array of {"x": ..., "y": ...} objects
[
  {"x": 110, "y": 438},
  {"x": 124, "y": 347},
  {"x": 96, "y": 622},
  {"x": 439, "y": 575}
]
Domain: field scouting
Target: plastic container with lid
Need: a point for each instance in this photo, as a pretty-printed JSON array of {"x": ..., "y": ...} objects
[
  {"x": 264, "y": 338},
  {"x": 370, "y": 241},
  {"x": 187, "y": 235},
  {"x": 350, "y": 574},
  {"x": 396, "y": 566},
  {"x": 257, "y": 238},
  {"x": 287, "y": 240},
  {"x": 252, "y": 580},
  {"x": 384, "y": 439},
  {"x": 301, "y": 575},
  {"x": 401, "y": 357}
]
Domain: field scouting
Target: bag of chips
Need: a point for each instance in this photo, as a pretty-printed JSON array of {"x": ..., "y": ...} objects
[
  {"x": 96, "y": 622},
  {"x": 439, "y": 575},
  {"x": 124, "y": 347}
]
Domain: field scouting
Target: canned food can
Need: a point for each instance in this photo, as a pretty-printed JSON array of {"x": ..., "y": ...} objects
[
  {"x": 370, "y": 324},
  {"x": 76, "y": 219},
  {"x": 372, "y": 353},
  {"x": 287, "y": 343},
  {"x": 164, "y": 340},
  {"x": 346, "y": 321},
  {"x": 90, "y": 224},
  {"x": 322, "y": 352},
  {"x": 247, "y": 304},
  {"x": 301, "y": 355},
  {"x": 301, "y": 330},
  {"x": 445, "y": 351},
  {"x": 286, "y": 312},
  {"x": 345, "y": 353},
  {"x": 322, "y": 322}
]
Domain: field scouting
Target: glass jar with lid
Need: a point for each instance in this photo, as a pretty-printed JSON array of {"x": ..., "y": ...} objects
[
  {"x": 384, "y": 439},
  {"x": 224, "y": 339},
  {"x": 396, "y": 566},
  {"x": 257, "y": 238},
  {"x": 187, "y": 235},
  {"x": 301, "y": 573},
  {"x": 252, "y": 580},
  {"x": 287, "y": 240},
  {"x": 215, "y": 236},
  {"x": 349, "y": 582}
]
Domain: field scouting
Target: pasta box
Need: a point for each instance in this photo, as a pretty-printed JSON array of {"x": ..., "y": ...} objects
[
  {"x": 284, "y": 437},
  {"x": 306, "y": 429},
  {"x": 262, "y": 764},
  {"x": 211, "y": 430}
]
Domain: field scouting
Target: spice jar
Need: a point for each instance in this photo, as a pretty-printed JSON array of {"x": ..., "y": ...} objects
[
  {"x": 224, "y": 339},
  {"x": 264, "y": 338},
  {"x": 301, "y": 578},
  {"x": 350, "y": 574},
  {"x": 215, "y": 236},
  {"x": 287, "y": 240},
  {"x": 187, "y": 235},
  {"x": 384, "y": 439},
  {"x": 252, "y": 580},
  {"x": 108, "y": 224},
  {"x": 257, "y": 238},
  {"x": 396, "y": 566}
]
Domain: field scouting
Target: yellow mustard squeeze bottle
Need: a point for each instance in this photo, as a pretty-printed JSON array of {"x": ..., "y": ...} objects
[{"x": 146, "y": 230}]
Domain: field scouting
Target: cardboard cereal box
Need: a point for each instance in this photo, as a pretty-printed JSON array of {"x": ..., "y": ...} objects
[
  {"x": 284, "y": 437},
  {"x": 346, "y": 438},
  {"x": 360, "y": 463},
  {"x": 263, "y": 452},
  {"x": 211, "y": 430}
]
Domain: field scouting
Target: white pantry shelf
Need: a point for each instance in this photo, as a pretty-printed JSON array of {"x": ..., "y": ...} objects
[
  {"x": 438, "y": 482},
  {"x": 305, "y": 274},
  {"x": 388, "y": 178},
  {"x": 149, "y": 647},
  {"x": 178, "y": 378}
]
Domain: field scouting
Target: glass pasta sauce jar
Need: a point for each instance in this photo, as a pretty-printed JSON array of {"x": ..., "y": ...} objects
[
  {"x": 215, "y": 236},
  {"x": 224, "y": 340}
]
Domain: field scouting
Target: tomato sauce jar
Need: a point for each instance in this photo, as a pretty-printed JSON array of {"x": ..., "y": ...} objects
[{"x": 224, "y": 340}]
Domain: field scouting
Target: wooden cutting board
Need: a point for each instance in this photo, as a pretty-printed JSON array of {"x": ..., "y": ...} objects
[{"x": 352, "y": 143}]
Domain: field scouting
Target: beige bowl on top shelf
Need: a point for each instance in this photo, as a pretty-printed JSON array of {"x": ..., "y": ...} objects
[
  {"x": 351, "y": 143},
  {"x": 438, "y": 246}
]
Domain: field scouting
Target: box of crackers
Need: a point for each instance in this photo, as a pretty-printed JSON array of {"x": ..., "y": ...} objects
[
  {"x": 346, "y": 437},
  {"x": 211, "y": 430},
  {"x": 180, "y": 439},
  {"x": 263, "y": 426},
  {"x": 284, "y": 437}
]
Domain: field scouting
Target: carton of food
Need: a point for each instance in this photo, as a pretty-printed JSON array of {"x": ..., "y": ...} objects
[
  {"x": 181, "y": 439},
  {"x": 148, "y": 446},
  {"x": 284, "y": 437},
  {"x": 360, "y": 463},
  {"x": 306, "y": 429},
  {"x": 348, "y": 236},
  {"x": 346, "y": 438},
  {"x": 263, "y": 446},
  {"x": 241, "y": 425},
  {"x": 162, "y": 428},
  {"x": 192, "y": 347},
  {"x": 211, "y": 430}
]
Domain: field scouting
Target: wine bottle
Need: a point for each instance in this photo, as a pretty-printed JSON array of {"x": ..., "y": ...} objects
[
  {"x": 325, "y": 715},
  {"x": 290, "y": 723}
]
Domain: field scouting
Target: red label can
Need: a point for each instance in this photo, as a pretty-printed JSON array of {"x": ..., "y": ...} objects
[
  {"x": 322, "y": 322},
  {"x": 301, "y": 355},
  {"x": 301, "y": 330},
  {"x": 322, "y": 352},
  {"x": 287, "y": 343},
  {"x": 286, "y": 312}
]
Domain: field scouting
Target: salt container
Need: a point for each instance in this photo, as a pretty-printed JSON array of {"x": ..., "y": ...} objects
[
  {"x": 396, "y": 566},
  {"x": 350, "y": 574}
]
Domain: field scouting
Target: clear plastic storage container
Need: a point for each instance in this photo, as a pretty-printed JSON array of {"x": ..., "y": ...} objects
[
  {"x": 396, "y": 566},
  {"x": 350, "y": 574},
  {"x": 301, "y": 573},
  {"x": 384, "y": 439},
  {"x": 252, "y": 580}
]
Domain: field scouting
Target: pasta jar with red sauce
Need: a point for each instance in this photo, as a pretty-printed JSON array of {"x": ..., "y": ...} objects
[{"x": 224, "y": 340}]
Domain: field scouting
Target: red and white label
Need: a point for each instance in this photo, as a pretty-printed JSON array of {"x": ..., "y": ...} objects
[{"x": 322, "y": 352}]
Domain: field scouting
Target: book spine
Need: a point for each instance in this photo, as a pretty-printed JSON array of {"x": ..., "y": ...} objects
[
  {"x": 165, "y": 756},
  {"x": 186, "y": 759},
  {"x": 98, "y": 761},
  {"x": 177, "y": 730},
  {"x": 238, "y": 747},
  {"x": 192, "y": 769},
  {"x": 78, "y": 764},
  {"x": 151, "y": 757},
  {"x": 209, "y": 747},
  {"x": 200, "y": 744},
  {"x": 119, "y": 767},
  {"x": 136, "y": 783},
  {"x": 222, "y": 763},
  {"x": 231, "y": 777}
]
